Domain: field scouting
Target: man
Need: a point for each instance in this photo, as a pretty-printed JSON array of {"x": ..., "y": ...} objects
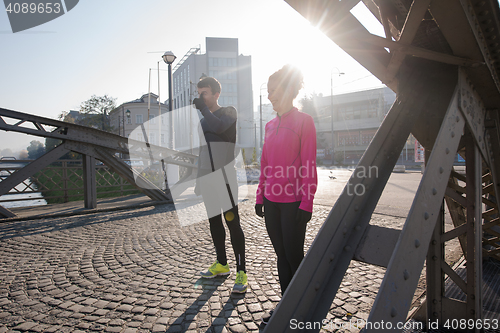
[{"x": 216, "y": 180}]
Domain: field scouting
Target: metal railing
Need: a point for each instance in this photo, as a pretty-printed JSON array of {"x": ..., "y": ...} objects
[{"x": 62, "y": 181}]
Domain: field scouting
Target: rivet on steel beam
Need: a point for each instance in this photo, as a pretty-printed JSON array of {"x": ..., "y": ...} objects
[
  {"x": 434, "y": 191},
  {"x": 447, "y": 151},
  {"x": 347, "y": 248},
  {"x": 332, "y": 256},
  {"x": 434, "y": 301},
  {"x": 434, "y": 242},
  {"x": 457, "y": 119},
  {"x": 452, "y": 134},
  {"x": 435, "y": 314},
  {"x": 441, "y": 170},
  {"x": 426, "y": 215},
  {"x": 356, "y": 208},
  {"x": 434, "y": 258},
  {"x": 344, "y": 231},
  {"x": 472, "y": 311},
  {"x": 406, "y": 275},
  {"x": 417, "y": 243},
  {"x": 317, "y": 286},
  {"x": 394, "y": 312},
  {"x": 473, "y": 296}
]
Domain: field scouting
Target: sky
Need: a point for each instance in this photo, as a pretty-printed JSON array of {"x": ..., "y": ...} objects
[{"x": 108, "y": 46}]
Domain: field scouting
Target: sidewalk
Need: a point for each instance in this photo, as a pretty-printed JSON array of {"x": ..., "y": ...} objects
[
  {"x": 136, "y": 270},
  {"x": 77, "y": 207}
]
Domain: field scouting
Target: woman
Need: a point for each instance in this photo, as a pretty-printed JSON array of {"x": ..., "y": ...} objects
[{"x": 288, "y": 178}]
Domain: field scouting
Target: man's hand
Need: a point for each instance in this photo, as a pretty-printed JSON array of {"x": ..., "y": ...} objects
[
  {"x": 258, "y": 210},
  {"x": 303, "y": 216},
  {"x": 199, "y": 103}
]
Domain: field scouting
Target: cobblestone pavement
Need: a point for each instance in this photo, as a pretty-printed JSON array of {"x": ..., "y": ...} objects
[{"x": 137, "y": 271}]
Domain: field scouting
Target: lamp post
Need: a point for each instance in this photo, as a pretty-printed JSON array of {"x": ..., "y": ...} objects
[
  {"x": 128, "y": 117},
  {"x": 123, "y": 122},
  {"x": 169, "y": 58},
  {"x": 331, "y": 104},
  {"x": 260, "y": 130}
]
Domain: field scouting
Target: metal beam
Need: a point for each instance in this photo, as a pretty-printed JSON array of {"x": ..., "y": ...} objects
[
  {"x": 474, "y": 231},
  {"x": 89, "y": 182},
  {"x": 415, "y": 16},
  {"x": 30, "y": 169},
  {"x": 407, "y": 49},
  {"x": 81, "y": 134},
  {"x": 394, "y": 298},
  {"x": 461, "y": 26},
  {"x": 434, "y": 270},
  {"x": 377, "y": 245},
  {"x": 345, "y": 31}
]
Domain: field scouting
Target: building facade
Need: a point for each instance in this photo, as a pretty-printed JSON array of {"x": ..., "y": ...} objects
[
  {"x": 355, "y": 118},
  {"x": 129, "y": 116},
  {"x": 233, "y": 70}
]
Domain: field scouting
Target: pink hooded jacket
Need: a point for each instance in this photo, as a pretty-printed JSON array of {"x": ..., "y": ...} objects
[{"x": 288, "y": 163}]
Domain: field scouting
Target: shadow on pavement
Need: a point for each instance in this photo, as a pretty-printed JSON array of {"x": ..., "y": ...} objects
[
  {"x": 209, "y": 286},
  {"x": 221, "y": 320},
  {"x": 51, "y": 224}
]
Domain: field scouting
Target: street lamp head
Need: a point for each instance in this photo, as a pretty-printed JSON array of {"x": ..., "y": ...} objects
[
  {"x": 128, "y": 113},
  {"x": 169, "y": 57},
  {"x": 339, "y": 73}
]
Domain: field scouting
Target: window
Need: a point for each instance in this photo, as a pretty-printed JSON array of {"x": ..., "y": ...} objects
[
  {"x": 152, "y": 119},
  {"x": 138, "y": 118},
  {"x": 163, "y": 138},
  {"x": 152, "y": 138},
  {"x": 129, "y": 120}
]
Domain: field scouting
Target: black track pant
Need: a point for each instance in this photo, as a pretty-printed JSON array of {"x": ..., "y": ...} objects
[
  {"x": 237, "y": 238},
  {"x": 287, "y": 237}
]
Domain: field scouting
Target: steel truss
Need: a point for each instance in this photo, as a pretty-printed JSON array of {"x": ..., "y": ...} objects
[
  {"x": 446, "y": 91},
  {"x": 92, "y": 144}
]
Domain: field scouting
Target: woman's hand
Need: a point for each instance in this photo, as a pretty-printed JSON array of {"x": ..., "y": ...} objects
[{"x": 258, "y": 210}]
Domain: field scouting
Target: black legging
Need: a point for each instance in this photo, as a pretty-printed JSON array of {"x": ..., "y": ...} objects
[
  {"x": 237, "y": 238},
  {"x": 287, "y": 237}
]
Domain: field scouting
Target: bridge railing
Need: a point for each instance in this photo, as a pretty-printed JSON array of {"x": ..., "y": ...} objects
[{"x": 62, "y": 181}]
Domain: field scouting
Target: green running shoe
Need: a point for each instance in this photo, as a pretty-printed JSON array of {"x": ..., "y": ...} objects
[
  {"x": 215, "y": 270},
  {"x": 240, "y": 284}
]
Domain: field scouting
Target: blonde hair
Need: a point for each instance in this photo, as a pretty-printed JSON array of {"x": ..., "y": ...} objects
[{"x": 290, "y": 78}]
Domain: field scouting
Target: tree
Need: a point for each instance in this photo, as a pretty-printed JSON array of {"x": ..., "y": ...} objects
[
  {"x": 95, "y": 112},
  {"x": 7, "y": 152},
  {"x": 339, "y": 157},
  {"x": 23, "y": 154},
  {"x": 35, "y": 149},
  {"x": 309, "y": 107}
]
